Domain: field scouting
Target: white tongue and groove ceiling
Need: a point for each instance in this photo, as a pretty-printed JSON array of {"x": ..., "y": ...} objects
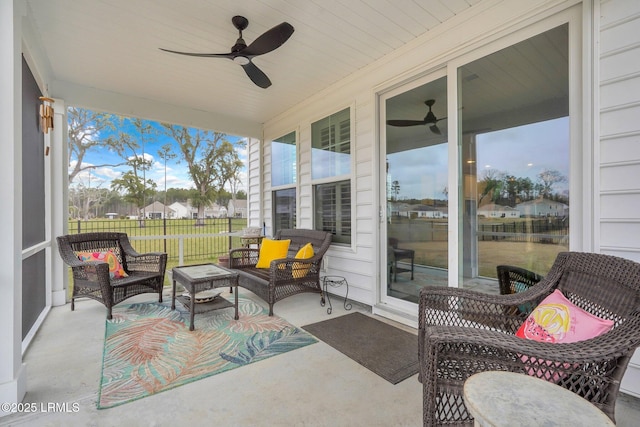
[{"x": 112, "y": 45}]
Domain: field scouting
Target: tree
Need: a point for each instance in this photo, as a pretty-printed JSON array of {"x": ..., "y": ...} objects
[
  {"x": 165, "y": 154},
  {"x": 136, "y": 189},
  {"x": 548, "y": 178},
  {"x": 491, "y": 185},
  {"x": 525, "y": 187},
  {"x": 211, "y": 159},
  {"x": 395, "y": 190},
  {"x": 85, "y": 130},
  {"x": 83, "y": 198},
  {"x": 134, "y": 182}
]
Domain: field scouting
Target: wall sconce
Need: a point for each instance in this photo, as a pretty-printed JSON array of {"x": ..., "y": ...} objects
[{"x": 46, "y": 114}]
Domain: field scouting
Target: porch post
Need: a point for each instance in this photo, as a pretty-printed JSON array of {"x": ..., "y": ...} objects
[
  {"x": 12, "y": 370},
  {"x": 59, "y": 202}
]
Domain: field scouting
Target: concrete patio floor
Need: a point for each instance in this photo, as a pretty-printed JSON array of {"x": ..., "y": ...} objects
[{"x": 312, "y": 386}]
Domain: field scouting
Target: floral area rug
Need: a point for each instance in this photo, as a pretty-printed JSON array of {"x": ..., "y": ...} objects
[{"x": 148, "y": 347}]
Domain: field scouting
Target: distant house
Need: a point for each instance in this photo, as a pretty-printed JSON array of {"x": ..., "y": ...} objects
[
  {"x": 182, "y": 210},
  {"x": 185, "y": 210},
  {"x": 237, "y": 209},
  {"x": 157, "y": 210},
  {"x": 543, "y": 207},
  {"x": 417, "y": 211},
  {"x": 493, "y": 210}
]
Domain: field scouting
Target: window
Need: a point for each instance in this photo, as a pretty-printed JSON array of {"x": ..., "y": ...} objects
[
  {"x": 331, "y": 146},
  {"x": 283, "y": 160},
  {"x": 330, "y": 170},
  {"x": 283, "y": 174},
  {"x": 284, "y": 209},
  {"x": 333, "y": 210}
]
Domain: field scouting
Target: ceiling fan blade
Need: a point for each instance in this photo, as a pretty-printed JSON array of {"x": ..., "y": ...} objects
[
  {"x": 256, "y": 75},
  {"x": 435, "y": 129},
  {"x": 270, "y": 40},
  {"x": 206, "y": 55},
  {"x": 403, "y": 123}
]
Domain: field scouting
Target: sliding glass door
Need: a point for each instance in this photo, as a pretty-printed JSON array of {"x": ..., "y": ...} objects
[
  {"x": 416, "y": 189},
  {"x": 500, "y": 194},
  {"x": 513, "y": 158}
]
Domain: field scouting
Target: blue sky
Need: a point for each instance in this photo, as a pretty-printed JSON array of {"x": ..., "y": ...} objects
[
  {"x": 523, "y": 151},
  {"x": 176, "y": 169}
]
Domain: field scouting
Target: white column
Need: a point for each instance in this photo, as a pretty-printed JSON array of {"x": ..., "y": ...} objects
[
  {"x": 12, "y": 370},
  {"x": 59, "y": 202}
]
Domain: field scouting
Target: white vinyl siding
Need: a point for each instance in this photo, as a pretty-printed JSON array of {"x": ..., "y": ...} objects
[{"x": 618, "y": 142}]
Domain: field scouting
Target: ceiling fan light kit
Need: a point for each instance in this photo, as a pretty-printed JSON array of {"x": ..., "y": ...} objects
[{"x": 242, "y": 54}]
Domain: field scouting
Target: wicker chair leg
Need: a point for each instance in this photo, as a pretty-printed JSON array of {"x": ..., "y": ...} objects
[
  {"x": 109, "y": 316},
  {"x": 270, "y": 309},
  {"x": 73, "y": 304}
]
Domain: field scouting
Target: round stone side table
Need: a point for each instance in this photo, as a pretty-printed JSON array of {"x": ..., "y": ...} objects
[{"x": 497, "y": 398}]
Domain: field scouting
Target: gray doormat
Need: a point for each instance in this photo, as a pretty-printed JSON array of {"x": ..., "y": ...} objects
[{"x": 384, "y": 349}]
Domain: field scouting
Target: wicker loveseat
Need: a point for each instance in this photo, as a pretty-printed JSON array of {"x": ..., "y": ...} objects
[
  {"x": 280, "y": 280},
  {"x": 145, "y": 272},
  {"x": 462, "y": 332}
]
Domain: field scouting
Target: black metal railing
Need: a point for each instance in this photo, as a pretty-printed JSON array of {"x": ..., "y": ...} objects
[{"x": 184, "y": 240}]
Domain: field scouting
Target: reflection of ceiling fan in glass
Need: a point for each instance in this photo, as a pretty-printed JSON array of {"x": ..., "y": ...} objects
[{"x": 429, "y": 119}]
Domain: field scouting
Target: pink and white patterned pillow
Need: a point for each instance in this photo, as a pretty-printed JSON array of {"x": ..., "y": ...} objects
[
  {"x": 116, "y": 271},
  {"x": 558, "y": 320}
]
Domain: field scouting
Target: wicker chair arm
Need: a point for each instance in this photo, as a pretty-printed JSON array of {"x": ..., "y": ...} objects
[
  {"x": 462, "y": 307},
  {"x": 243, "y": 257},
  {"x": 97, "y": 271},
  {"x": 284, "y": 268},
  {"x": 608, "y": 346},
  {"x": 151, "y": 261}
]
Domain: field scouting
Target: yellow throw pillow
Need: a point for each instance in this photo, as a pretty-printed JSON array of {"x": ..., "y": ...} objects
[
  {"x": 300, "y": 269},
  {"x": 270, "y": 250}
]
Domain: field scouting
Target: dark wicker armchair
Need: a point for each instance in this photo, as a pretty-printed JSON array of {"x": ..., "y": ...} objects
[
  {"x": 400, "y": 254},
  {"x": 462, "y": 332},
  {"x": 515, "y": 279},
  {"x": 91, "y": 278}
]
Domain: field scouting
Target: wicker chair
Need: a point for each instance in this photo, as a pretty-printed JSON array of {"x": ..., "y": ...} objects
[
  {"x": 462, "y": 332},
  {"x": 515, "y": 279},
  {"x": 91, "y": 278},
  {"x": 400, "y": 254}
]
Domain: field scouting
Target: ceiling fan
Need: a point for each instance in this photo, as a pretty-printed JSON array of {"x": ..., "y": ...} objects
[
  {"x": 242, "y": 54},
  {"x": 430, "y": 118}
]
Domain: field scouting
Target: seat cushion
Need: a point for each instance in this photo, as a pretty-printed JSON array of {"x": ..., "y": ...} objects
[
  {"x": 116, "y": 271},
  {"x": 271, "y": 250}
]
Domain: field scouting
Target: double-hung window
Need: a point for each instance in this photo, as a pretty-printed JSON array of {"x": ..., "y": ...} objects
[
  {"x": 331, "y": 174},
  {"x": 283, "y": 181}
]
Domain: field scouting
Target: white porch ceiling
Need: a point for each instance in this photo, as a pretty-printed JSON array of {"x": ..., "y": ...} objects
[{"x": 112, "y": 45}]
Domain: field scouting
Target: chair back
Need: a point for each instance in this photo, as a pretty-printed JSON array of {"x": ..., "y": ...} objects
[
  {"x": 604, "y": 285},
  {"x": 69, "y": 245},
  {"x": 320, "y": 240},
  {"x": 512, "y": 279}
]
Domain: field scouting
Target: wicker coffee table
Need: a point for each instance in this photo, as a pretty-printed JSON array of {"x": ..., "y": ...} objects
[{"x": 198, "y": 278}]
